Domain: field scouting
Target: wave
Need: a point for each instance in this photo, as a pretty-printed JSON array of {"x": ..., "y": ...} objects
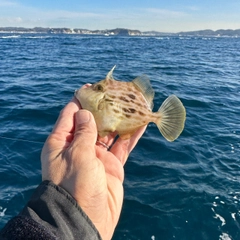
[
  {"x": 11, "y": 36},
  {"x": 170, "y": 186}
]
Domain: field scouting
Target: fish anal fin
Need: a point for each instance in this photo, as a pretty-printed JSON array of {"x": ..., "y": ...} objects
[
  {"x": 126, "y": 135},
  {"x": 143, "y": 84},
  {"x": 171, "y": 118}
]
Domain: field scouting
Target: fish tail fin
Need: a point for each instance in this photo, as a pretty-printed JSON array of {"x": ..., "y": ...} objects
[{"x": 171, "y": 118}]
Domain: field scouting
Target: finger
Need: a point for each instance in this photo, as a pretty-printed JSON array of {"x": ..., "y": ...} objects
[
  {"x": 107, "y": 140},
  {"x": 65, "y": 122},
  {"x": 122, "y": 148},
  {"x": 62, "y": 133},
  {"x": 135, "y": 138},
  {"x": 111, "y": 164},
  {"x": 85, "y": 134}
]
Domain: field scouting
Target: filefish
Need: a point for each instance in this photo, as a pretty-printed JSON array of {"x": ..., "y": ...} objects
[{"x": 124, "y": 107}]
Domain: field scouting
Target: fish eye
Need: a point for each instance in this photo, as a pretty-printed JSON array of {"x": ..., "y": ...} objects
[{"x": 98, "y": 87}]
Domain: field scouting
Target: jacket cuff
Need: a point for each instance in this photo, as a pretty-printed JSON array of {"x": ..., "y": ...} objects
[{"x": 58, "y": 212}]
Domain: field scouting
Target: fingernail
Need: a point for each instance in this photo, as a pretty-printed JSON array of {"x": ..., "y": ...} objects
[{"x": 82, "y": 116}]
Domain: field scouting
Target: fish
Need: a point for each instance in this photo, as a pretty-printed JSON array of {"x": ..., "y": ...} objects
[{"x": 124, "y": 107}]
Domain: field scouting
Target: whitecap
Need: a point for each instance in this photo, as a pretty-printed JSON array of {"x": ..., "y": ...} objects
[
  {"x": 220, "y": 218},
  {"x": 11, "y": 36},
  {"x": 233, "y": 216},
  {"x": 224, "y": 236},
  {"x": 2, "y": 213}
]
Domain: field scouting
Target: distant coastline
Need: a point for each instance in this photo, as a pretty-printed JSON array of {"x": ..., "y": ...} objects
[{"x": 120, "y": 32}]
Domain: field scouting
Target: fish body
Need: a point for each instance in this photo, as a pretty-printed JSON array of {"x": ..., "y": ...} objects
[{"x": 124, "y": 107}]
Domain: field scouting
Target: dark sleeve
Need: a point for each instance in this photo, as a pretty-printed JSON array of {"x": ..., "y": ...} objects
[{"x": 51, "y": 213}]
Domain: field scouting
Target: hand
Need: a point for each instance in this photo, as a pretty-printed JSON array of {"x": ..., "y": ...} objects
[{"x": 89, "y": 172}]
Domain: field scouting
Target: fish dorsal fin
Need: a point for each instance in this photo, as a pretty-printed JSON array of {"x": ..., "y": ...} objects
[
  {"x": 143, "y": 84},
  {"x": 110, "y": 74}
]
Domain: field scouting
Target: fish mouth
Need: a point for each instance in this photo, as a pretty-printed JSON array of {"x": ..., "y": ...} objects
[
  {"x": 87, "y": 85},
  {"x": 87, "y": 98}
]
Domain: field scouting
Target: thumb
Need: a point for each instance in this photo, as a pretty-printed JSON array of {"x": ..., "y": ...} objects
[{"x": 85, "y": 135}]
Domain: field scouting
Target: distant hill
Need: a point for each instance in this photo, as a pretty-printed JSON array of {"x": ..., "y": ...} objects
[
  {"x": 208, "y": 32},
  {"x": 119, "y": 31}
]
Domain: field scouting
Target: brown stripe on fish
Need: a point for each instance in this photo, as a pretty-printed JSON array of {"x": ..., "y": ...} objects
[
  {"x": 129, "y": 110},
  {"x": 124, "y": 99},
  {"x": 109, "y": 101},
  {"x": 130, "y": 101},
  {"x": 132, "y": 110},
  {"x": 113, "y": 85},
  {"x": 132, "y": 96},
  {"x": 116, "y": 111},
  {"x": 141, "y": 113},
  {"x": 135, "y": 106},
  {"x": 112, "y": 96}
]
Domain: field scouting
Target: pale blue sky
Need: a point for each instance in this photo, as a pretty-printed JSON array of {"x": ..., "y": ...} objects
[{"x": 165, "y": 16}]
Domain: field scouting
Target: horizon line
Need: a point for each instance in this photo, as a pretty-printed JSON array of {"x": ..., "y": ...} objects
[{"x": 207, "y": 29}]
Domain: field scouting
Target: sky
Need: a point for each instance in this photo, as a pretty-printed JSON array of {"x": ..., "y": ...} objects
[{"x": 143, "y": 15}]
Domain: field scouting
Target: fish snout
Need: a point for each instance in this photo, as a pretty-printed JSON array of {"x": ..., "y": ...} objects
[{"x": 78, "y": 91}]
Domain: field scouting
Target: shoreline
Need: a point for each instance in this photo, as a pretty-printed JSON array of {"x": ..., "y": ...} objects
[{"x": 119, "y": 32}]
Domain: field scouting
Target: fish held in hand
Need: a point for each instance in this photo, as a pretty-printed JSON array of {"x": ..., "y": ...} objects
[{"x": 124, "y": 107}]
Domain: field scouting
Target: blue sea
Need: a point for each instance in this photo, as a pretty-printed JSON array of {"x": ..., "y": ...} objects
[{"x": 186, "y": 189}]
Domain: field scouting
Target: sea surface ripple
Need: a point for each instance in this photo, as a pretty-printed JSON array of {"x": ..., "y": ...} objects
[{"x": 187, "y": 189}]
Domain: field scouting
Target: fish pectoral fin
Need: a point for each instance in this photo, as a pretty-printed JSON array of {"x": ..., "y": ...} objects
[
  {"x": 101, "y": 104},
  {"x": 105, "y": 103},
  {"x": 171, "y": 118}
]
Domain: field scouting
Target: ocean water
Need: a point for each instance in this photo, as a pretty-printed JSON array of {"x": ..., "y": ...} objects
[{"x": 187, "y": 189}]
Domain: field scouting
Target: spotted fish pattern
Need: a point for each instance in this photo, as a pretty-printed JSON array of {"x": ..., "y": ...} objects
[{"x": 124, "y": 107}]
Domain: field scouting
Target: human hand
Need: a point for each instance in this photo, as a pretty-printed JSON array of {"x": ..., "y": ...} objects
[{"x": 88, "y": 171}]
